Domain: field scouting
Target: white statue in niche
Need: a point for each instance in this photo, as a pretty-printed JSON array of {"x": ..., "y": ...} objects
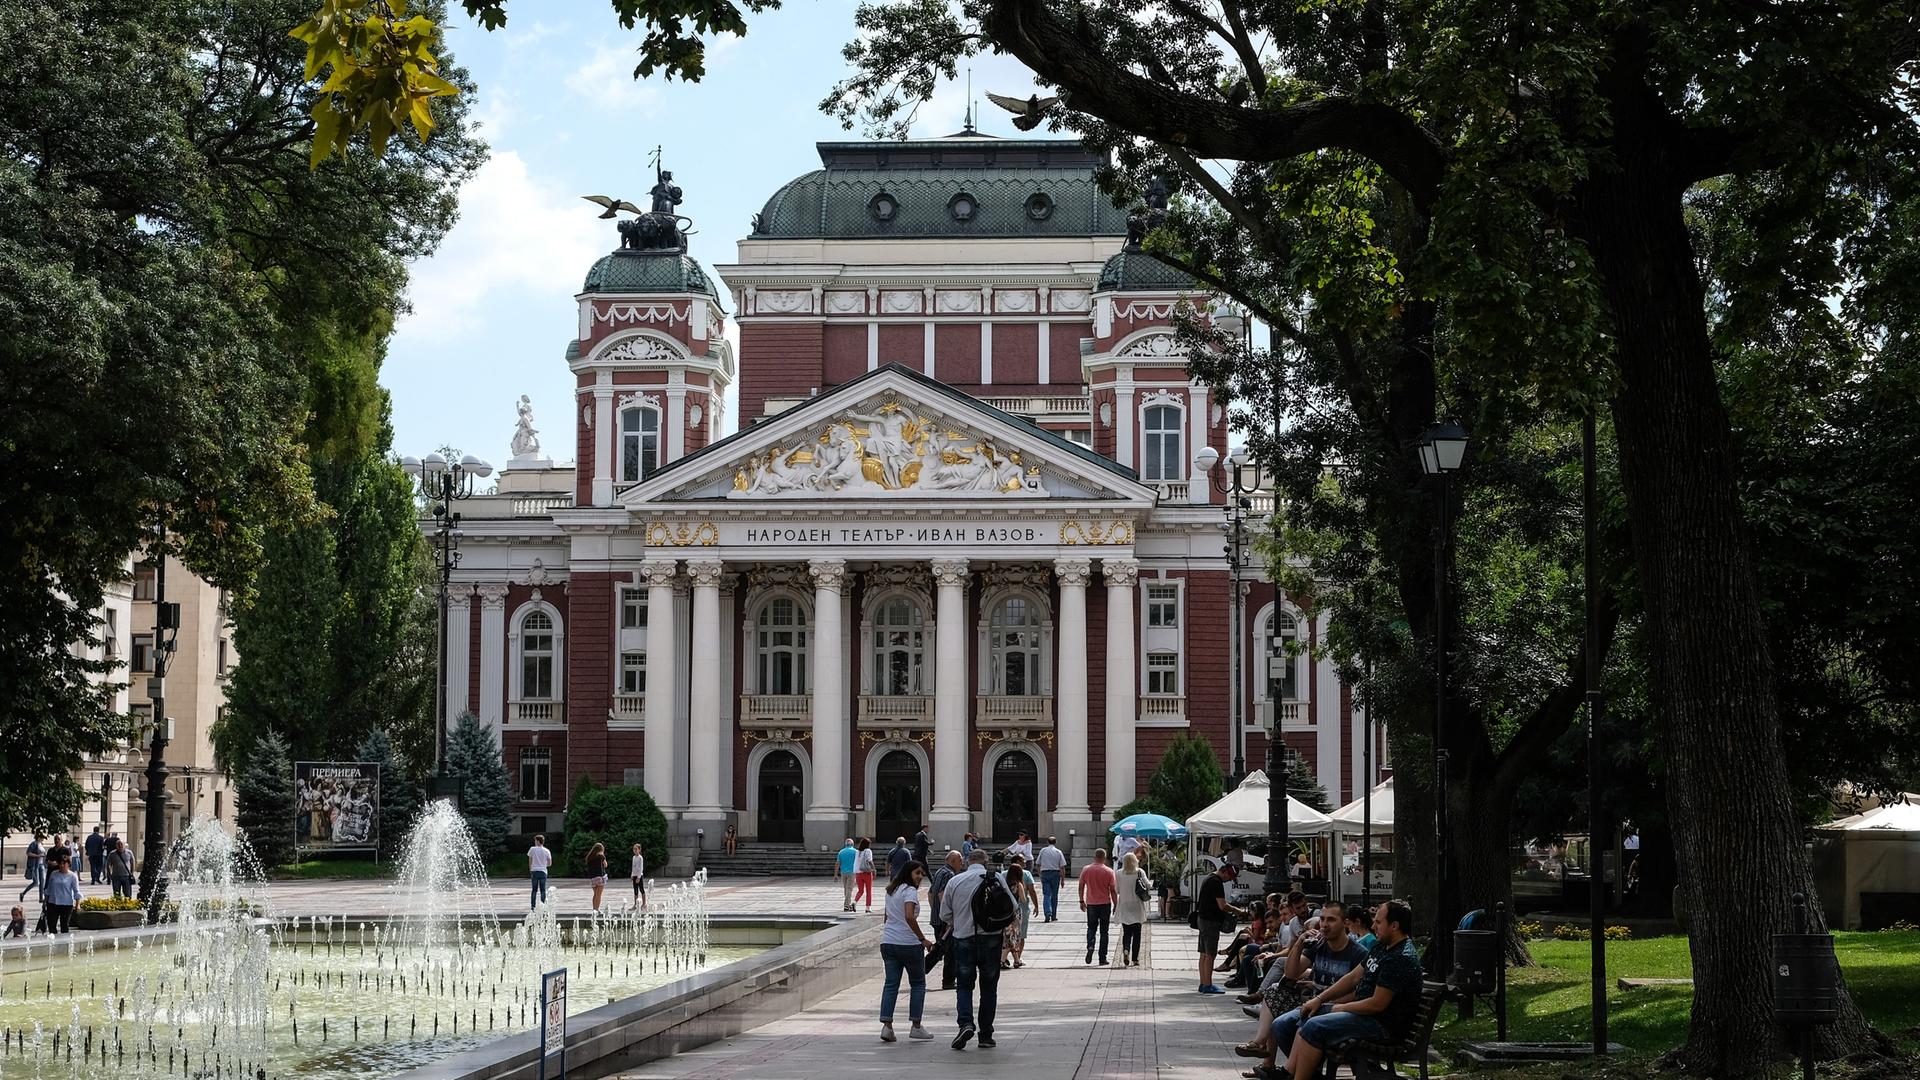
[{"x": 526, "y": 439}]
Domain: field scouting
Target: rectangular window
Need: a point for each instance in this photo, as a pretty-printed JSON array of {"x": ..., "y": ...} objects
[
  {"x": 223, "y": 656},
  {"x": 143, "y": 652},
  {"x": 536, "y": 774},
  {"x": 1163, "y": 606},
  {"x": 633, "y": 673},
  {"x": 633, "y": 609},
  {"x": 145, "y": 579},
  {"x": 533, "y": 824},
  {"x": 536, "y": 676},
  {"x": 110, "y": 635},
  {"x": 216, "y": 802},
  {"x": 1163, "y": 674}
]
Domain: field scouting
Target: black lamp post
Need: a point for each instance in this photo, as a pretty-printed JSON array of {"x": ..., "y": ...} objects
[
  {"x": 166, "y": 628},
  {"x": 441, "y": 482},
  {"x": 1443, "y": 448}
]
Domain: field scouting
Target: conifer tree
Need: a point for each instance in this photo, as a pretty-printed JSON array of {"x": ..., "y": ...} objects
[
  {"x": 1304, "y": 786},
  {"x": 266, "y": 808},
  {"x": 1188, "y": 779},
  {"x": 398, "y": 799},
  {"x": 486, "y": 800}
]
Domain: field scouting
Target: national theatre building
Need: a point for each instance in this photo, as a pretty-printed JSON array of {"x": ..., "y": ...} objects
[{"x": 959, "y": 564}]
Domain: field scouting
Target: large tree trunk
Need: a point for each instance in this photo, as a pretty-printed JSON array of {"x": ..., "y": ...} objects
[{"x": 1738, "y": 841}]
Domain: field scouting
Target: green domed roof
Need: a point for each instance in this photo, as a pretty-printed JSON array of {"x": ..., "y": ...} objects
[
  {"x": 962, "y": 186},
  {"x": 1133, "y": 270},
  {"x": 648, "y": 272}
]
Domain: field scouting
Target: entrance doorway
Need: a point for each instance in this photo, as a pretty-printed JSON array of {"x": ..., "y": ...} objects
[
  {"x": 896, "y": 797},
  {"x": 782, "y": 806},
  {"x": 1016, "y": 796}
]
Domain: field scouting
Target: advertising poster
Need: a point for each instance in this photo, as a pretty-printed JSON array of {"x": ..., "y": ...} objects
[{"x": 336, "y": 805}]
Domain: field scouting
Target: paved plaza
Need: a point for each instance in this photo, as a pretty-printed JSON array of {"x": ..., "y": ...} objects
[{"x": 1057, "y": 1016}]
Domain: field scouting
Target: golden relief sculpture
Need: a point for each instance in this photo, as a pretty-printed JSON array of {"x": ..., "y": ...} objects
[
  {"x": 682, "y": 534},
  {"x": 1094, "y": 533},
  {"x": 891, "y": 448}
]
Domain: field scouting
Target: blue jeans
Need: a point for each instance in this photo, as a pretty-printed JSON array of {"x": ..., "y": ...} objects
[
  {"x": 539, "y": 889},
  {"x": 1099, "y": 917},
  {"x": 976, "y": 958},
  {"x": 1050, "y": 893},
  {"x": 911, "y": 959},
  {"x": 36, "y": 878},
  {"x": 1323, "y": 1029}
]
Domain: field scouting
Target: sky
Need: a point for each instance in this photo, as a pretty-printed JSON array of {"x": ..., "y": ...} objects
[{"x": 493, "y": 307}]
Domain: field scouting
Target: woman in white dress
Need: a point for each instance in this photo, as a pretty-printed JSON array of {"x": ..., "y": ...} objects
[{"x": 1130, "y": 893}]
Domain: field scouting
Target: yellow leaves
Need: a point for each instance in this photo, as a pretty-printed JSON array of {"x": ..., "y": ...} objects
[{"x": 382, "y": 73}]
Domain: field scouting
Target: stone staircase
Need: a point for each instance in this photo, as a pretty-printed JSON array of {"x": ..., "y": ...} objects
[{"x": 768, "y": 860}]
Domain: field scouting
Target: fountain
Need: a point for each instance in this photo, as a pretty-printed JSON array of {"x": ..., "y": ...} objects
[{"x": 229, "y": 991}]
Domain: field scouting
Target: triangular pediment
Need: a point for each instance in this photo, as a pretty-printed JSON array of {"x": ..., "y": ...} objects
[{"x": 892, "y": 435}]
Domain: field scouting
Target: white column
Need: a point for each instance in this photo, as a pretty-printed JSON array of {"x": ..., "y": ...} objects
[
  {"x": 830, "y": 742},
  {"x": 986, "y": 354},
  {"x": 1070, "y": 707},
  {"x": 1326, "y": 721},
  {"x": 662, "y": 667},
  {"x": 873, "y": 346},
  {"x": 1123, "y": 690},
  {"x": 705, "y": 741},
  {"x": 604, "y": 442},
  {"x": 493, "y": 656},
  {"x": 1046, "y": 352},
  {"x": 459, "y": 647},
  {"x": 1124, "y": 422},
  {"x": 676, "y": 422},
  {"x": 950, "y": 683},
  {"x": 926, "y": 348},
  {"x": 1198, "y": 488}
]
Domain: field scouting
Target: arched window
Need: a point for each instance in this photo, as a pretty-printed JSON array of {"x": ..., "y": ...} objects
[
  {"x": 1160, "y": 457},
  {"x": 780, "y": 647},
  {"x": 1283, "y": 665},
  {"x": 1014, "y": 644},
  {"x": 639, "y": 443},
  {"x": 899, "y": 647},
  {"x": 536, "y": 657}
]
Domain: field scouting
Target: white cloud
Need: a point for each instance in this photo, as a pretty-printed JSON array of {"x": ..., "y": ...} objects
[
  {"x": 607, "y": 80},
  {"x": 520, "y": 240}
]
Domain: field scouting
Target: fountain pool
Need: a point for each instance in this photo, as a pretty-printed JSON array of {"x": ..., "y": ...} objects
[{"x": 233, "y": 991}]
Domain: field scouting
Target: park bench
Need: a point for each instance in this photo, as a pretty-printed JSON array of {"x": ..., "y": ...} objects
[{"x": 1370, "y": 1060}]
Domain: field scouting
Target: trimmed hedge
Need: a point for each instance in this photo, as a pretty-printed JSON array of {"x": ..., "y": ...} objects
[{"x": 618, "y": 817}]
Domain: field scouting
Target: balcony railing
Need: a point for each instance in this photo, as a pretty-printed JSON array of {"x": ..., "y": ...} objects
[
  {"x": 540, "y": 505},
  {"x": 760, "y": 710},
  {"x": 896, "y": 710},
  {"x": 1171, "y": 491},
  {"x": 1162, "y": 709},
  {"x": 536, "y": 712},
  {"x": 1041, "y": 406},
  {"x": 631, "y": 707},
  {"x": 1005, "y": 711},
  {"x": 1293, "y": 714}
]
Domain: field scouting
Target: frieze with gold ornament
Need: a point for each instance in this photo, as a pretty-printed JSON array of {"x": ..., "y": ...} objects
[
  {"x": 896, "y": 736},
  {"x": 891, "y": 448},
  {"x": 1013, "y": 735},
  {"x": 1096, "y": 534},
  {"x": 682, "y": 534},
  {"x": 749, "y": 736}
]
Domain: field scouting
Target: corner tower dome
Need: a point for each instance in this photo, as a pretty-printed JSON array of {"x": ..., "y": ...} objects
[
  {"x": 966, "y": 185},
  {"x": 641, "y": 272}
]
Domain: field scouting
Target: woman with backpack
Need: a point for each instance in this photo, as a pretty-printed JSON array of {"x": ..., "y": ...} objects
[
  {"x": 863, "y": 872},
  {"x": 903, "y": 948}
]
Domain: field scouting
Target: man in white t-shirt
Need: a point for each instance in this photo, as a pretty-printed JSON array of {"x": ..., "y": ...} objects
[{"x": 539, "y": 859}]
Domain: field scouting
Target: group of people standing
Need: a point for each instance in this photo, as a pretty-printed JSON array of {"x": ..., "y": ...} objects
[
  {"x": 540, "y": 865},
  {"x": 52, "y": 874}
]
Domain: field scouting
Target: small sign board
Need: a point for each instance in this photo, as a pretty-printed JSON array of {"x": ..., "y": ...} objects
[{"x": 553, "y": 1022}]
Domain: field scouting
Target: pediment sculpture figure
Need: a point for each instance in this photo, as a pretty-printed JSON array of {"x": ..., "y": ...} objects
[
  {"x": 526, "y": 438},
  {"x": 890, "y": 448}
]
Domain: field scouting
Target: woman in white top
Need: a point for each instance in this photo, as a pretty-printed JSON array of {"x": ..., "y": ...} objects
[
  {"x": 1022, "y": 847},
  {"x": 903, "y": 947},
  {"x": 1130, "y": 907},
  {"x": 639, "y": 875},
  {"x": 863, "y": 873}
]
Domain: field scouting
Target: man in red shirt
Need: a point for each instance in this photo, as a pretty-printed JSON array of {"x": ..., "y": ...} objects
[{"x": 1096, "y": 899}]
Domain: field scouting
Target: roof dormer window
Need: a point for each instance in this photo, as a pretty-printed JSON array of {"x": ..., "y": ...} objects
[
  {"x": 883, "y": 207},
  {"x": 963, "y": 207}
]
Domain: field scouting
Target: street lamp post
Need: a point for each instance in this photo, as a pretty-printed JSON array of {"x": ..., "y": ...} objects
[
  {"x": 1443, "y": 448},
  {"x": 166, "y": 628},
  {"x": 441, "y": 482}
]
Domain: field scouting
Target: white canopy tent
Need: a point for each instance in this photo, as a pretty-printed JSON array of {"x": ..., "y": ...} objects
[
  {"x": 1877, "y": 852},
  {"x": 1353, "y": 816},
  {"x": 1243, "y": 812}
]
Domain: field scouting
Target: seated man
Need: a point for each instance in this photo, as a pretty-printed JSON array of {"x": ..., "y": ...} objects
[
  {"x": 1316, "y": 960},
  {"x": 1290, "y": 922},
  {"x": 1377, "y": 1000}
]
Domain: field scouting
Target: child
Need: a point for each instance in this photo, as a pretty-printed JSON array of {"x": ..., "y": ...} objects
[{"x": 17, "y": 925}]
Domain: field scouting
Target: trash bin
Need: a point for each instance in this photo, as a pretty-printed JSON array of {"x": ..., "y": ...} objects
[
  {"x": 1806, "y": 980},
  {"x": 1476, "y": 960}
]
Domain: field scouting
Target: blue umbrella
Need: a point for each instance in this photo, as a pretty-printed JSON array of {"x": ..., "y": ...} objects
[{"x": 1150, "y": 827}]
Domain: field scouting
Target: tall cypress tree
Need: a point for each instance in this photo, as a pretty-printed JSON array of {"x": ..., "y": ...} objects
[
  {"x": 1188, "y": 778},
  {"x": 486, "y": 801},
  {"x": 266, "y": 808},
  {"x": 397, "y": 796}
]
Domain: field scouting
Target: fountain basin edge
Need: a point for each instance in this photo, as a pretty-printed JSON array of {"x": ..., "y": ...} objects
[{"x": 834, "y": 954}]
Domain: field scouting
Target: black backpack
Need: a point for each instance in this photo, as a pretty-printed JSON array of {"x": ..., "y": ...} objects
[{"x": 993, "y": 907}]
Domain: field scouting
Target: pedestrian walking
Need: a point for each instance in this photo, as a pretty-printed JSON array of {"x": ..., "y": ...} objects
[
  {"x": 967, "y": 845},
  {"x": 62, "y": 892},
  {"x": 1052, "y": 863},
  {"x": 539, "y": 860},
  {"x": 1026, "y": 897},
  {"x": 36, "y": 869},
  {"x": 900, "y": 856},
  {"x": 120, "y": 868},
  {"x": 979, "y": 908},
  {"x": 863, "y": 874},
  {"x": 638, "y": 871},
  {"x": 1132, "y": 892},
  {"x": 923, "y": 846},
  {"x": 1096, "y": 899},
  {"x": 942, "y": 933},
  {"x": 903, "y": 949},
  {"x": 843, "y": 868},
  {"x": 96, "y": 854},
  {"x": 597, "y": 871}
]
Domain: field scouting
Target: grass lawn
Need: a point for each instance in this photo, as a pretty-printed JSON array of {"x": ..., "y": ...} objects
[
  {"x": 1550, "y": 1002},
  {"x": 321, "y": 869}
]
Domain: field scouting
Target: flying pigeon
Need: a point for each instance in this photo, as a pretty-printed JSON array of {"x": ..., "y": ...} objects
[
  {"x": 614, "y": 206},
  {"x": 1027, "y": 114}
]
